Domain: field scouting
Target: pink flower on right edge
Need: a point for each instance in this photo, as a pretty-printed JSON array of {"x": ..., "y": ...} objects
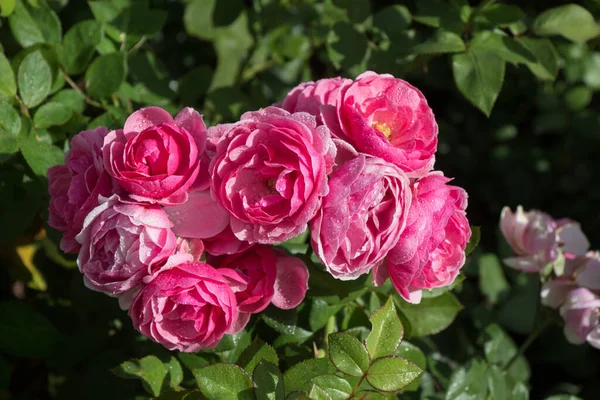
[
  {"x": 581, "y": 312},
  {"x": 431, "y": 250},
  {"x": 385, "y": 117}
]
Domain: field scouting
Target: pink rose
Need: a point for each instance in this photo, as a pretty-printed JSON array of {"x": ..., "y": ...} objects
[
  {"x": 581, "y": 312},
  {"x": 430, "y": 252},
  {"x": 225, "y": 242},
  {"x": 588, "y": 275},
  {"x": 270, "y": 173},
  {"x": 120, "y": 242},
  {"x": 258, "y": 266},
  {"x": 188, "y": 307},
  {"x": 388, "y": 118},
  {"x": 531, "y": 236},
  {"x": 155, "y": 158},
  {"x": 362, "y": 217},
  {"x": 310, "y": 96},
  {"x": 75, "y": 186},
  {"x": 291, "y": 282}
]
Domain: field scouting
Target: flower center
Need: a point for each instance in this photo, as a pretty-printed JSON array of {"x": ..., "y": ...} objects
[{"x": 384, "y": 129}]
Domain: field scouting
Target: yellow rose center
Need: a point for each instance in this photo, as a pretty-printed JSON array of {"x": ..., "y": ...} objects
[{"x": 383, "y": 128}]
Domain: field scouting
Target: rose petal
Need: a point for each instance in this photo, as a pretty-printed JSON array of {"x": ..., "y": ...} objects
[
  {"x": 291, "y": 283},
  {"x": 199, "y": 217},
  {"x": 145, "y": 118}
]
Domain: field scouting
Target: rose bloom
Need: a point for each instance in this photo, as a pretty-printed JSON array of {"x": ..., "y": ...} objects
[
  {"x": 75, "y": 186},
  {"x": 531, "y": 236},
  {"x": 430, "y": 252},
  {"x": 270, "y": 173},
  {"x": 581, "y": 311},
  {"x": 291, "y": 282},
  {"x": 310, "y": 96},
  {"x": 120, "y": 242},
  {"x": 258, "y": 266},
  {"x": 362, "y": 217},
  {"x": 188, "y": 307},
  {"x": 388, "y": 118},
  {"x": 155, "y": 158}
]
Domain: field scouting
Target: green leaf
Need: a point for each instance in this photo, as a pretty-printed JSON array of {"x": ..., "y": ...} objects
[
  {"x": 546, "y": 66},
  {"x": 255, "y": 353},
  {"x": 389, "y": 374},
  {"x": 492, "y": 282},
  {"x": 520, "y": 392},
  {"x": 499, "y": 349},
  {"x": 320, "y": 312},
  {"x": 299, "y": 376},
  {"x": 441, "y": 42},
  {"x": 571, "y": 21},
  {"x": 51, "y": 114},
  {"x": 7, "y": 7},
  {"x": 439, "y": 14},
  {"x": 194, "y": 394},
  {"x": 224, "y": 382},
  {"x": 40, "y": 155},
  {"x": 79, "y": 45},
  {"x": 105, "y": 75},
  {"x": 336, "y": 388},
  {"x": 268, "y": 382},
  {"x": 518, "y": 312},
  {"x": 70, "y": 98},
  {"x": 386, "y": 332},
  {"x": 469, "y": 384},
  {"x": 35, "y": 79},
  {"x": 504, "y": 46},
  {"x": 474, "y": 241},
  {"x": 578, "y": 97},
  {"x": 348, "y": 354},
  {"x": 8, "y": 84},
  {"x": 175, "y": 373},
  {"x": 318, "y": 393},
  {"x": 502, "y": 14},
  {"x": 431, "y": 315},
  {"x": 346, "y": 46},
  {"x": 150, "y": 370},
  {"x": 24, "y": 332},
  {"x": 497, "y": 384},
  {"x": 479, "y": 75},
  {"x": 413, "y": 354},
  {"x": 392, "y": 19},
  {"x": 10, "y": 129},
  {"x": 31, "y": 25}
]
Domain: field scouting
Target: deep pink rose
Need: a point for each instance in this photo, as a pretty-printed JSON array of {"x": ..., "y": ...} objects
[
  {"x": 155, "y": 158},
  {"x": 430, "y": 251},
  {"x": 581, "y": 311},
  {"x": 310, "y": 96},
  {"x": 531, "y": 236},
  {"x": 270, "y": 171},
  {"x": 258, "y": 266},
  {"x": 188, "y": 307},
  {"x": 388, "y": 118},
  {"x": 362, "y": 217},
  {"x": 120, "y": 242},
  {"x": 291, "y": 282},
  {"x": 75, "y": 186}
]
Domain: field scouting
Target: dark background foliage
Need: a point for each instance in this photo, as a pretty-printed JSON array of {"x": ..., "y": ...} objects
[{"x": 537, "y": 147}]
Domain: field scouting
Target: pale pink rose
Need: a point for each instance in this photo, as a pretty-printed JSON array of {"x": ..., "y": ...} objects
[
  {"x": 258, "y": 266},
  {"x": 555, "y": 291},
  {"x": 121, "y": 242},
  {"x": 588, "y": 275},
  {"x": 581, "y": 311},
  {"x": 75, "y": 186},
  {"x": 531, "y": 236},
  {"x": 270, "y": 173},
  {"x": 188, "y": 307},
  {"x": 430, "y": 252},
  {"x": 362, "y": 217},
  {"x": 571, "y": 238},
  {"x": 291, "y": 282},
  {"x": 310, "y": 96},
  {"x": 388, "y": 118},
  {"x": 155, "y": 158}
]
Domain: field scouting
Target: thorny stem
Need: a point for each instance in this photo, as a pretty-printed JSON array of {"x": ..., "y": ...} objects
[
  {"x": 86, "y": 98},
  {"x": 530, "y": 339}
]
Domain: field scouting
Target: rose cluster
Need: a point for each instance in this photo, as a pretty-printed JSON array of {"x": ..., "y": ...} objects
[
  {"x": 181, "y": 222},
  {"x": 559, "y": 251}
]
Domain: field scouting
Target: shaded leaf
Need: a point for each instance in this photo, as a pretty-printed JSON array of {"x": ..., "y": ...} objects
[
  {"x": 509, "y": 49},
  {"x": 479, "y": 75},
  {"x": 255, "y": 353},
  {"x": 469, "y": 383},
  {"x": 441, "y": 42},
  {"x": 492, "y": 282},
  {"x": 150, "y": 370},
  {"x": 79, "y": 45},
  {"x": 571, "y": 21},
  {"x": 268, "y": 382},
  {"x": 546, "y": 66},
  {"x": 431, "y": 315},
  {"x": 474, "y": 241},
  {"x": 105, "y": 75}
]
